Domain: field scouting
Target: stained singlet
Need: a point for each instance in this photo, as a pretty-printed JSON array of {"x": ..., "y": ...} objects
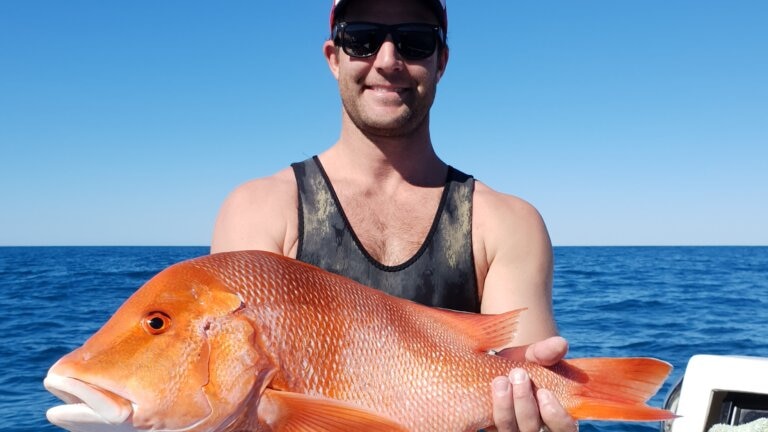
[{"x": 441, "y": 273}]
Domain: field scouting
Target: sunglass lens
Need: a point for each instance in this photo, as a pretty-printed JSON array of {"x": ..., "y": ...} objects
[
  {"x": 416, "y": 42},
  {"x": 413, "y": 41},
  {"x": 362, "y": 40}
]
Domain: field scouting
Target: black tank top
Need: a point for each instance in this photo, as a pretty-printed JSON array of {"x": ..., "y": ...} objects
[{"x": 441, "y": 273}]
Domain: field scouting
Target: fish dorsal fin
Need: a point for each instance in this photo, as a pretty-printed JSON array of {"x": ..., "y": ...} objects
[
  {"x": 296, "y": 412},
  {"x": 483, "y": 332}
]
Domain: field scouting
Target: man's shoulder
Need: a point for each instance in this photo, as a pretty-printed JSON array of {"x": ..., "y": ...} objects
[
  {"x": 499, "y": 207},
  {"x": 504, "y": 223},
  {"x": 259, "y": 214},
  {"x": 280, "y": 185}
]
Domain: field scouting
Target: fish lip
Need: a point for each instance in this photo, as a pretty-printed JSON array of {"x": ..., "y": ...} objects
[
  {"x": 89, "y": 408},
  {"x": 85, "y": 404}
]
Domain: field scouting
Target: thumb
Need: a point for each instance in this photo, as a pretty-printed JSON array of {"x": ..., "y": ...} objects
[{"x": 547, "y": 352}]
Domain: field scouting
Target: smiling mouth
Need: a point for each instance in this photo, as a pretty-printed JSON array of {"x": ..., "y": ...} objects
[
  {"x": 88, "y": 408},
  {"x": 383, "y": 89}
]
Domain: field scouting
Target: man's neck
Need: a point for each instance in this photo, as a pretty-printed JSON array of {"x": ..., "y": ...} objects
[{"x": 410, "y": 158}]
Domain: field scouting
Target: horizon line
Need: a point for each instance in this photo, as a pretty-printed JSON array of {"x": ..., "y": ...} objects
[{"x": 208, "y": 246}]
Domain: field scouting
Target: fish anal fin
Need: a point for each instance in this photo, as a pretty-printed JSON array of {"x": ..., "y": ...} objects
[
  {"x": 483, "y": 332},
  {"x": 296, "y": 412}
]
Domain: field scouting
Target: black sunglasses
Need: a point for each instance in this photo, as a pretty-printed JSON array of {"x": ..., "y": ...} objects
[{"x": 414, "y": 41}]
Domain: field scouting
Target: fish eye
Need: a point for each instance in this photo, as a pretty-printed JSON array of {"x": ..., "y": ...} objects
[{"x": 156, "y": 323}]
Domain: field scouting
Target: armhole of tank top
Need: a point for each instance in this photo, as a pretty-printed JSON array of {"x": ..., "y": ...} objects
[
  {"x": 468, "y": 181},
  {"x": 471, "y": 186},
  {"x": 300, "y": 210}
]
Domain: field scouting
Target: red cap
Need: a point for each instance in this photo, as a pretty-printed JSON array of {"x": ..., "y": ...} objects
[{"x": 439, "y": 5}]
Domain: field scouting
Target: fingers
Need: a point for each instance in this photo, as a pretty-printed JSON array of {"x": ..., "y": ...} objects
[
  {"x": 514, "y": 404},
  {"x": 553, "y": 414},
  {"x": 516, "y": 408},
  {"x": 526, "y": 408},
  {"x": 503, "y": 405}
]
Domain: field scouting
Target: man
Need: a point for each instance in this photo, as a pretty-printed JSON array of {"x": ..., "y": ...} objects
[{"x": 379, "y": 205}]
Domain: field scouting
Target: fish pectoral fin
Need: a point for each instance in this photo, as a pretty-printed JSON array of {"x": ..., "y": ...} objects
[{"x": 296, "y": 412}]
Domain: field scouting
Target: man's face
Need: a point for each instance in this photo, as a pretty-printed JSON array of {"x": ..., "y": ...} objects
[{"x": 386, "y": 94}]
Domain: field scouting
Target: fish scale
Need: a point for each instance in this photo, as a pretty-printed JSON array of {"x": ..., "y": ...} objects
[
  {"x": 281, "y": 345},
  {"x": 399, "y": 373}
]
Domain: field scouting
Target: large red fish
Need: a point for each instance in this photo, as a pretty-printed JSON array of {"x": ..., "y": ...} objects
[{"x": 259, "y": 342}]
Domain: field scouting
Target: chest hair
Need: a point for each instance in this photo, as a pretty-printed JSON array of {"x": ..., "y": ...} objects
[{"x": 393, "y": 227}]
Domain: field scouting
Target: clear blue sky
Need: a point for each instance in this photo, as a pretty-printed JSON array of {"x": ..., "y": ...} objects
[{"x": 624, "y": 122}]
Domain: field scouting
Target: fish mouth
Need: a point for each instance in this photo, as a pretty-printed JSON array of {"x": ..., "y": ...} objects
[{"x": 88, "y": 408}]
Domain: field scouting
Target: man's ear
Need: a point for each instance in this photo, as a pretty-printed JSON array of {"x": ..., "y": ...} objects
[
  {"x": 331, "y": 53},
  {"x": 442, "y": 62}
]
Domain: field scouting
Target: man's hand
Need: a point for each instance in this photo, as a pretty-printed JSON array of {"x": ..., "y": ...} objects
[{"x": 516, "y": 408}]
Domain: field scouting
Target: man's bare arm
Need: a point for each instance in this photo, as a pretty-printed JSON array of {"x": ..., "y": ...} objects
[
  {"x": 518, "y": 258},
  {"x": 517, "y": 273}
]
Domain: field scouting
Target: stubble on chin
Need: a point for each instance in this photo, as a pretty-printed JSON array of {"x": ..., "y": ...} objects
[
  {"x": 403, "y": 125},
  {"x": 412, "y": 117}
]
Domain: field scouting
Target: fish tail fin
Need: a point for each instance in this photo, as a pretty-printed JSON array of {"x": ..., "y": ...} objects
[{"x": 615, "y": 388}]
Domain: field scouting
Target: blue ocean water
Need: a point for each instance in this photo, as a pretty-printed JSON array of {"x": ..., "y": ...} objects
[{"x": 665, "y": 302}]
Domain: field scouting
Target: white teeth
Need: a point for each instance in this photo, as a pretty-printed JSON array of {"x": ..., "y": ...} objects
[{"x": 387, "y": 89}]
